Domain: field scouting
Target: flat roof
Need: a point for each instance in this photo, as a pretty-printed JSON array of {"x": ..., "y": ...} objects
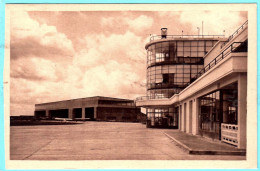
[
  {"x": 90, "y": 98},
  {"x": 183, "y": 39}
]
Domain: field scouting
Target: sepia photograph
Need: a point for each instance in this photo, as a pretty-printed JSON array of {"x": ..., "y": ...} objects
[{"x": 130, "y": 86}]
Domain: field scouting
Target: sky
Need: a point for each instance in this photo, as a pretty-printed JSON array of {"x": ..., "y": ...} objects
[{"x": 61, "y": 55}]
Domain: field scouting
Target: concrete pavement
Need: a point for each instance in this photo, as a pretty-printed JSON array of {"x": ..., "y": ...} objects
[
  {"x": 98, "y": 141},
  {"x": 199, "y": 145}
]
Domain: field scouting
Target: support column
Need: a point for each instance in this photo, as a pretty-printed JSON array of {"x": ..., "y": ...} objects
[
  {"x": 189, "y": 117},
  {"x": 71, "y": 113},
  {"x": 95, "y": 113},
  {"x": 242, "y": 110},
  {"x": 184, "y": 117},
  {"x": 83, "y": 116},
  {"x": 195, "y": 117},
  {"x": 180, "y": 118},
  {"x": 48, "y": 114}
]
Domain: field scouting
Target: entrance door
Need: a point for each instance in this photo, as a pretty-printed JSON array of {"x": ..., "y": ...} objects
[{"x": 210, "y": 118}]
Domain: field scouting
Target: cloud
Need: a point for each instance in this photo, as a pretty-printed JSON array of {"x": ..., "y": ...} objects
[
  {"x": 123, "y": 48},
  {"x": 110, "y": 65},
  {"x": 29, "y": 38},
  {"x": 214, "y": 22},
  {"x": 140, "y": 24},
  {"x": 137, "y": 25},
  {"x": 34, "y": 69}
]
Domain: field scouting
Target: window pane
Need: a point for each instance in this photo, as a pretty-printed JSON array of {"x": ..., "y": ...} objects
[
  {"x": 201, "y": 43},
  {"x": 194, "y": 48},
  {"x": 186, "y": 53},
  {"x": 208, "y": 43},
  {"x": 194, "y": 43},
  {"x": 194, "y": 54},
  {"x": 179, "y": 44},
  {"x": 186, "y": 43}
]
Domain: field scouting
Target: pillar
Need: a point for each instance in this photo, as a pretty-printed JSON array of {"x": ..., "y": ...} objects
[
  {"x": 180, "y": 118},
  {"x": 189, "y": 117},
  {"x": 48, "y": 114},
  {"x": 95, "y": 113},
  {"x": 71, "y": 113},
  {"x": 195, "y": 117},
  {"x": 183, "y": 117},
  {"x": 83, "y": 116},
  {"x": 242, "y": 110}
]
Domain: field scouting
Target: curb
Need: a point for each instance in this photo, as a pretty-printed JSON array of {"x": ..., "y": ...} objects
[
  {"x": 179, "y": 143},
  {"x": 205, "y": 152}
]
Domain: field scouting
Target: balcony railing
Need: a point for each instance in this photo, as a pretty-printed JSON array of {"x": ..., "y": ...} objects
[
  {"x": 151, "y": 97},
  {"x": 229, "y": 133},
  {"x": 164, "y": 86},
  {"x": 235, "y": 33},
  {"x": 178, "y": 60},
  {"x": 232, "y": 48},
  {"x": 158, "y": 37}
]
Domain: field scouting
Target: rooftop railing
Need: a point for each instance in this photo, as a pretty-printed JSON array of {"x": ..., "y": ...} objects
[
  {"x": 158, "y": 37},
  {"x": 151, "y": 97},
  {"x": 235, "y": 33},
  {"x": 232, "y": 48}
]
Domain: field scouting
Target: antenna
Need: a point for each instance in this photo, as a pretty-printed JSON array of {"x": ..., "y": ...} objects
[
  {"x": 202, "y": 28},
  {"x": 198, "y": 31}
]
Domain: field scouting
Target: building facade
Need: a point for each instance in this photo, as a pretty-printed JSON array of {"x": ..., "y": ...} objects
[
  {"x": 91, "y": 108},
  {"x": 198, "y": 84}
]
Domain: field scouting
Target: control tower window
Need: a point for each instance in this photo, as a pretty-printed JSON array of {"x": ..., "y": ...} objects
[{"x": 168, "y": 78}]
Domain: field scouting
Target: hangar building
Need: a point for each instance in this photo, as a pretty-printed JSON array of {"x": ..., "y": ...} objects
[{"x": 90, "y": 108}]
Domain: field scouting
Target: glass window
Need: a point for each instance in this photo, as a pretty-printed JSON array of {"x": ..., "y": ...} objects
[
  {"x": 186, "y": 43},
  {"x": 194, "y": 54},
  {"x": 179, "y": 67},
  {"x": 179, "y": 44},
  {"x": 194, "y": 48},
  {"x": 194, "y": 43},
  {"x": 187, "y": 48},
  {"x": 158, "y": 45},
  {"x": 201, "y": 48},
  {"x": 201, "y": 43},
  {"x": 201, "y": 54},
  {"x": 165, "y": 44},
  {"x": 208, "y": 43},
  {"x": 165, "y": 50},
  {"x": 172, "y": 69},
  {"x": 208, "y": 49},
  {"x": 186, "y": 53},
  {"x": 180, "y": 48},
  {"x": 180, "y": 53}
]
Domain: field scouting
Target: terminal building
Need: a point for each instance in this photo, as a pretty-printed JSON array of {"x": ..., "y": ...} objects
[
  {"x": 92, "y": 108},
  {"x": 198, "y": 84}
]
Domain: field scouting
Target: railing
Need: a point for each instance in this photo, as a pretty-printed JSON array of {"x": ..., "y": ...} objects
[
  {"x": 229, "y": 133},
  {"x": 215, "y": 61},
  {"x": 165, "y": 85},
  {"x": 151, "y": 97},
  {"x": 158, "y": 37},
  {"x": 178, "y": 60},
  {"x": 235, "y": 33}
]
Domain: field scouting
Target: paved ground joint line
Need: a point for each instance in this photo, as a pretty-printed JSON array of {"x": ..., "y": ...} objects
[
  {"x": 157, "y": 149},
  {"x": 38, "y": 149}
]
